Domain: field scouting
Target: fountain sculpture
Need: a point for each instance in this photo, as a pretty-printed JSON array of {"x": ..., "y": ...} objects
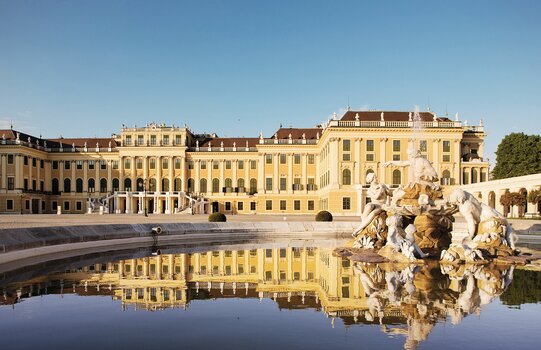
[{"x": 416, "y": 221}]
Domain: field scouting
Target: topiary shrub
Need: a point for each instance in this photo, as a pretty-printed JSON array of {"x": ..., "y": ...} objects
[
  {"x": 217, "y": 217},
  {"x": 324, "y": 216}
]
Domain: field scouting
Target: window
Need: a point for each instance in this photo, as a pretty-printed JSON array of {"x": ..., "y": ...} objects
[
  {"x": 178, "y": 139},
  {"x": 41, "y": 163},
  {"x": 215, "y": 185},
  {"x": 11, "y": 183},
  {"x": 397, "y": 177},
  {"x": 203, "y": 164},
  {"x": 10, "y": 159},
  {"x": 240, "y": 185},
  {"x": 423, "y": 146},
  {"x": 127, "y": 163},
  {"x": 9, "y": 204},
  {"x": 116, "y": 185},
  {"x": 228, "y": 164},
  {"x": 140, "y": 140},
  {"x": 103, "y": 185},
  {"x": 346, "y": 145},
  {"x": 115, "y": 164},
  {"x": 310, "y": 205},
  {"x": 297, "y": 205},
  {"x": 268, "y": 183},
  {"x": 25, "y": 186},
  {"x": 127, "y": 184},
  {"x": 268, "y": 205},
  {"x": 79, "y": 185},
  {"x": 165, "y": 163},
  {"x": 78, "y": 206},
  {"x": 370, "y": 145},
  {"x": 268, "y": 158},
  {"x": 447, "y": 158},
  {"x": 215, "y": 165},
  {"x": 139, "y": 163},
  {"x": 346, "y": 157},
  {"x": 67, "y": 185},
  {"x": 42, "y": 186},
  {"x": 178, "y": 184},
  {"x": 447, "y": 146},
  {"x": 253, "y": 164},
  {"x": 103, "y": 165},
  {"x": 128, "y": 140},
  {"x": 283, "y": 159},
  {"x": 240, "y": 206},
  {"x": 346, "y": 177},
  {"x": 311, "y": 159},
  {"x": 55, "y": 164},
  {"x": 67, "y": 165},
  {"x": 253, "y": 206},
  {"x": 370, "y": 157},
  {"x": 240, "y": 164},
  {"x": 166, "y": 140},
  {"x": 91, "y": 185},
  {"x": 34, "y": 162},
  {"x": 283, "y": 184},
  {"x": 228, "y": 185},
  {"x": 177, "y": 163},
  {"x": 346, "y": 203},
  {"x": 25, "y": 160},
  {"x": 152, "y": 163},
  {"x": 283, "y": 205},
  {"x": 253, "y": 186},
  {"x": 79, "y": 165},
  {"x": 396, "y": 157},
  {"x": 66, "y": 206},
  {"x": 228, "y": 206}
]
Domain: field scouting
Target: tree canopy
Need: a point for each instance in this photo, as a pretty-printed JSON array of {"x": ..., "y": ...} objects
[{"x": 518, "y": 154}]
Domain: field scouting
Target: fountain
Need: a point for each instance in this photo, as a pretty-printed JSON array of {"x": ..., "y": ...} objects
[{"x": 415, "y": 222}]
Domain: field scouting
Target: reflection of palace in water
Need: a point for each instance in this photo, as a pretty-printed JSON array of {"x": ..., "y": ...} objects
[{"x": 406, "y": 300}]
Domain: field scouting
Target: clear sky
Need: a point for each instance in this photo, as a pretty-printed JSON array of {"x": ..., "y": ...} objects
[{"x": 84, "y": 68}]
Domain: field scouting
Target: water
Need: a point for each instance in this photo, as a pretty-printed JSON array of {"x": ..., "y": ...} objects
[{"x": 264, "y": 296}]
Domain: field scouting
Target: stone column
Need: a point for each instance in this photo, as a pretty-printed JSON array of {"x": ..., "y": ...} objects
[
  {"x": 121, "y": 174},
  {"x": 276, "y": 176},
  {"x": 235, "y": 268},
  {"x": 261, "y": 264},
  {"x": 261, "y": 174},
  {"x": 85, "y": 176},
  {"x": 30, "y": 167},
  {"x": 234, "y": 177},
  {"x": 133, "y": 174},
  {"x": 209, "y": 177},
  {"x": 304, "y": 180},
  {"x": 18, "y": 173},
  {"x": 382, "y": 160},
  {"x": 334, "y": 159},
  {"x": 109, "y": 176},
  {"x": 4, "y": 175},
  {"x": 60, "y": 178},
  {"x": 159, "y": 175},
  {"x": 289, "y": 258},
  {"x": 303, "y": 264},
  {"x": 48, "y": 173},
  {"x": 289, "y": 182}
]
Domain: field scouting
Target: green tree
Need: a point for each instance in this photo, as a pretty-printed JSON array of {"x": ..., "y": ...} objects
[
  {"x": 513, "y": 198},
  {"x": 518, "y": 154},
  {"x": 534, "y": 196}
]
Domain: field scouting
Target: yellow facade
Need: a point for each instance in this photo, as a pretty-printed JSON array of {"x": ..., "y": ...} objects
[{"x": 163, "y": 169}]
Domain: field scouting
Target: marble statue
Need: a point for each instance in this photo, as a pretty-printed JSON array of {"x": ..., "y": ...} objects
[
  {"x": 403, "y": 241},
  {"x": 378, "y": 194},
  {"x": 422, "y": 170}
]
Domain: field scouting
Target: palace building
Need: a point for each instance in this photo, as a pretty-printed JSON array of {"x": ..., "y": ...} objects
[{"x": 171, "y": 169}]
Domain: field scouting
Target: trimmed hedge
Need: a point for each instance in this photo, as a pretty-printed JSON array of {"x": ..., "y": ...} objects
[
  {"x": 217, "y": 217},
  {"x": 324, "y": 216}
]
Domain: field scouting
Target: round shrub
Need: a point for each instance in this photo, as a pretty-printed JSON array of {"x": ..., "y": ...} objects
[
  {"x": 324, "y": 216},
  {"x": 217, "y": 217}
]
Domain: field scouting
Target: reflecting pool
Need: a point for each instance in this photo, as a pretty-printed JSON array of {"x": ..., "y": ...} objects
[{"x": 265, "y": 296}]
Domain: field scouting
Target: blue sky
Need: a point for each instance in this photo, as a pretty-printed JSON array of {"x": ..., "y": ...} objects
[{"x": 83, "y": 68}]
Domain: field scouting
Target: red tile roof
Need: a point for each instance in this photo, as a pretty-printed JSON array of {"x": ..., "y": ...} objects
[{"x": 390, "y": 116}]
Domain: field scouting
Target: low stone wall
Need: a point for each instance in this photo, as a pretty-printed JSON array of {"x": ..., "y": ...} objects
[{"x": 12, "y": 240}]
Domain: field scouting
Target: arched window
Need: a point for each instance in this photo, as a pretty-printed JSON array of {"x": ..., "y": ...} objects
[
  {"x": 240, "y": 186},
  {"x": 397, "y": 177},
  {"x": 103, "y": 185},
  {"x": 191, "y": 185},
  {"x": 91, "y": 185},
  {"x": 346, "y": 177},
  {"x": 165, "y": 184},
  {"x": 127, "y": 185},
  {"x": 79, "y": 185},
  {"x": 55, "y": 186},
  {"x": 228, "y": 185},
  {"x": 178, "y": 184},
  {"x": 139, "y": 184},
  {"x": 203, "y": 185},
  {"x": 474, "y": 176},
  {"x": 152, "y": 185},
  {"x": 253, "y": 186},
  {"x": 446, "y": 177},
  {"x": 67, "y": 185},
  {"x": 115, "y": 184},
  {"x": 215, "y": 185},
  {"x": 492, "y": 199}
]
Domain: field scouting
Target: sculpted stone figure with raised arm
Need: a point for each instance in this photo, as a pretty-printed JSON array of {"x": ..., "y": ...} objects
[
  {"x": 423, "y": 172},
  {"x": 378, "y": 194}
]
